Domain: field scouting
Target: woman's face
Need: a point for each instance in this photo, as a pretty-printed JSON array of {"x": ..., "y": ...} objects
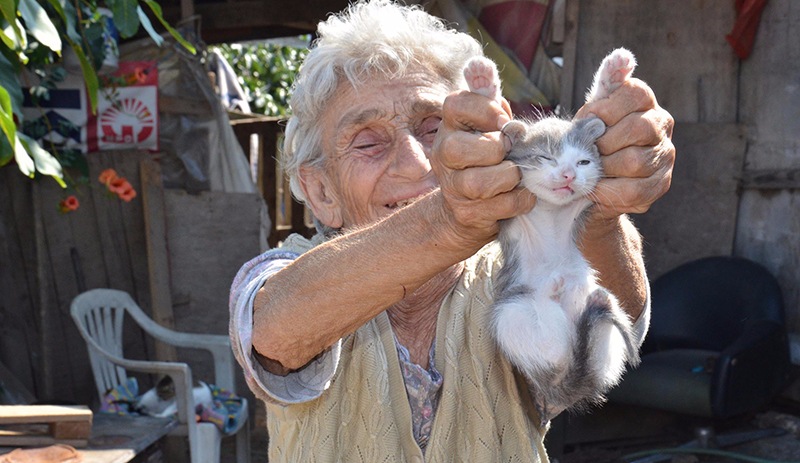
[{"x": 376, "y": 140}]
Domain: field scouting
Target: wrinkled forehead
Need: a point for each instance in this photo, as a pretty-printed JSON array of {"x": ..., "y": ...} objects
[{"x": 395, "y": 98}]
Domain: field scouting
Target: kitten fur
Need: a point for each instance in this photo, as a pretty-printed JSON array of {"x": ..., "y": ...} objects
[{"x": 564, "y": 332}]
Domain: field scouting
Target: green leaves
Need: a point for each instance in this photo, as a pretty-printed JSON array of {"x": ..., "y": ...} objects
[
  {"x": 265, "y": 72},
  {"x": 126, "y": 17},
  {"x": 39, "y": 25},
  {"x": 9, "y": 127},
  {"x": 26, "y": 151},
  {"x": 9, "y": 11},
  {"x": 148, "y": 26},
  {"x": 156, "y": 8},
  {"x": 32, "y": 36},
  {"x": 44, "y": 162}
]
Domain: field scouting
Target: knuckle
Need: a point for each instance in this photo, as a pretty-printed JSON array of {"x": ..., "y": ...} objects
[{"x": 641, "y": 93}]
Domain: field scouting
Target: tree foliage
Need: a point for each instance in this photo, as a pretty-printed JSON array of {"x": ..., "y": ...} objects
[
  {"x": 33, "y": 35},
  {"x": 265, "y": 72}
]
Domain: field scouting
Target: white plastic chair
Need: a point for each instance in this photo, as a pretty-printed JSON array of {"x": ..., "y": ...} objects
[{"x": 99, "y": 314}]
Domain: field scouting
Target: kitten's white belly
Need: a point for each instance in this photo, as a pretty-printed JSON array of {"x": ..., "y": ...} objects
[{"x": 551, "y": 264}]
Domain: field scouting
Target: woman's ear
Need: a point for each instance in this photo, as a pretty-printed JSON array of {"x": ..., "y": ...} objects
[{"x": 320, "y": 196}]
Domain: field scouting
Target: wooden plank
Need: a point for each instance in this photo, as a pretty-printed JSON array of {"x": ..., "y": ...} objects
[
  {"x": 157, "y": 253},
  {"x": 769, "y": 96},
  {"x": 168, "y": 104},
  {"x": 18, "y": 333},
  {"x": 769, "y": 105},
  {"x": 27, "y": 440},
  {"x": 223, "y": 19},
  {"x": 771, "y": 179},
  {"x": 572, "y": 19},
  {"x": 16, "y": 414},
  {"x": 769, "y": 233},
  {"x": 682, "y": 52},
  {"x": 697, "y": 217},
  {"x": 39, "y": 425},
  {"x": 71, "y": 429},
  {"x": 47, "y": 298},
  {"x": 229, "y": 223}
]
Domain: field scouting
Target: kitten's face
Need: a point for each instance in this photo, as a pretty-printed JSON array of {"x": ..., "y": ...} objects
[
  {"x": 561, "y": 176},
  {"x": 558, "y": 159}
]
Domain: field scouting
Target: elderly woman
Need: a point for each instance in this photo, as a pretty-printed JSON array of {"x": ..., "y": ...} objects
[{"x": 370, "y": 342}]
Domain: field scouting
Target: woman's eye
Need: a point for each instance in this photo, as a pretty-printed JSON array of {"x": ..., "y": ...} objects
[
  {"x": 429, "y": 126},
  {"x": 367, "y": 142}
]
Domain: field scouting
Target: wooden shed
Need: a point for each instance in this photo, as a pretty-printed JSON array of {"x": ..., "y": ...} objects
[{"x": 735, "y": 184}]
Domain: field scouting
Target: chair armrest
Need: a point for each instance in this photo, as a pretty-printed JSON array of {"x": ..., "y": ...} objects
[
  {"x": 752, "y": 370},
  {"x": 180, "y": 373},
  {"x": 218, "y": 345}
]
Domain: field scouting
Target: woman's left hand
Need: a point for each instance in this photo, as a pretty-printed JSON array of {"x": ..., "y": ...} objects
[{"x": 636, "y": 150}]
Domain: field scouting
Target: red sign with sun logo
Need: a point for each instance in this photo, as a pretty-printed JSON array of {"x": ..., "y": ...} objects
[{"x": 127, "y": 110}]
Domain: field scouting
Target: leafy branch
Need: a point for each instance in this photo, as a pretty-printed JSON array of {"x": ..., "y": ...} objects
[{"x": 33, "y": 35}]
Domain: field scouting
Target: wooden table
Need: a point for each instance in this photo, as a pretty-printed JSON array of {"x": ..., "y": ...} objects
[{"x": 119, "y": 439}]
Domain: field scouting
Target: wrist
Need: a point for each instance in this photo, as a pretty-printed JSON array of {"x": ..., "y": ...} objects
[{"x": 452, "y": 235}]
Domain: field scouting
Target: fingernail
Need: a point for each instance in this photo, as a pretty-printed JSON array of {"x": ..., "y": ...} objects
[
  {"x": 506, "y": 142},
  {"x": 502, "y": 120}
]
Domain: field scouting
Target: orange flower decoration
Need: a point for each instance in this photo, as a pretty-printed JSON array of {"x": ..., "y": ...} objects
[
  {"x": 107, "y": 176},
  {"x": 69, "y": 204},
  {"x": 140, "y": 75},
  {"x": 127, "y": 195},
  {"x": 117, "y": 185}
]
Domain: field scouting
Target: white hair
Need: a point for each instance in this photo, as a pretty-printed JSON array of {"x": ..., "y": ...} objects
[{"x": 369, "y": 38}]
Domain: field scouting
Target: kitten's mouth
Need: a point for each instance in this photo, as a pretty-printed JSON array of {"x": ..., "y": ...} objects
[{"x": 564, "y": 190}]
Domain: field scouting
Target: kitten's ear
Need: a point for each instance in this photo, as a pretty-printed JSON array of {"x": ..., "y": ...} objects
[
  {"x": 514, "y": 130},
  {"x": 590, "y": 129}
]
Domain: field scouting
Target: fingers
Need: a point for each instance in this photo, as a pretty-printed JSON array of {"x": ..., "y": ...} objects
[
  {"x": 632, "y": 97},
  {"x": 461, "y": 149},
  {"x": 486, "y": 182},
  {"x": 472, "y": 112},
  {"x": 636, "y": 178},
  {"x": 479, "y": 188},
  {"x": 646, "y": 128}
]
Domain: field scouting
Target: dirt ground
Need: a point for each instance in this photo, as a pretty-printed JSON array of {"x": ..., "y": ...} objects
[{"x": 609, "y": 434}]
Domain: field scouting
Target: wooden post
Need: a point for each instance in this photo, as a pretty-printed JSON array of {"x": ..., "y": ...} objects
[{"x": 155, "y": 226}]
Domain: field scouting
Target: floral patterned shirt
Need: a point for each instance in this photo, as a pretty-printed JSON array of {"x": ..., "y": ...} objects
[{"x": 422, "y": 387}]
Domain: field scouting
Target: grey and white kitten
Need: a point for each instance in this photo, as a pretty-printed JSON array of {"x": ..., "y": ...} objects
[{"x": 551, "y": 318}]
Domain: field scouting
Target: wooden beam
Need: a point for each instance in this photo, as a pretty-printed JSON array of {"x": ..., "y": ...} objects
[
  {"x": 155, "y": 226},
  {"x": 567, "y": 100},
  {"x": 259, "y": 14},
  {"x": 770, "y": 179}
]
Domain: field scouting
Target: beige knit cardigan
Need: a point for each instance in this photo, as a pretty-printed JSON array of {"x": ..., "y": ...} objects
[{"x": 364, "y": 415}]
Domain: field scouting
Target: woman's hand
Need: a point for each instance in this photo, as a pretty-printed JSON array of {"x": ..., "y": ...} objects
[
  {"x": 637, "y": 150},
  {"x": 478, "y": 186}
]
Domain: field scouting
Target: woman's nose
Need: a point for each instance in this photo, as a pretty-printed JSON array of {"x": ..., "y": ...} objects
[{"x": 410, "y": 160}]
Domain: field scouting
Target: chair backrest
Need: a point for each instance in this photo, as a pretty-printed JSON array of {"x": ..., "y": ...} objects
[
  {"x": 99, "y": 314},
  {"x": 704, "y": 304}
]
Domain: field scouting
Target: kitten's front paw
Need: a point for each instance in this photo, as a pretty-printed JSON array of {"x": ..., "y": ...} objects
[
  {"x": 617, "y": 67},
  {"x": 482, "y": 77}
]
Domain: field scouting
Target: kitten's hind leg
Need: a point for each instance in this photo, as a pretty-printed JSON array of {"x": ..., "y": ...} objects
[
  {"x": 482, "y": 77},
  {"x": 606, "y": 337},
  {"x": 615, "y": 69}
]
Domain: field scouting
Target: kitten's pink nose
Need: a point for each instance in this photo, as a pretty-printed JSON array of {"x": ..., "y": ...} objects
[{"x": 568, "y": 175}]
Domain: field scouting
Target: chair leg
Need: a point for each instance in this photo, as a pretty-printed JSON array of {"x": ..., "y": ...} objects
[
  {"x": 209, "y": 443},
  {"x": 243, "y": 444}
]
